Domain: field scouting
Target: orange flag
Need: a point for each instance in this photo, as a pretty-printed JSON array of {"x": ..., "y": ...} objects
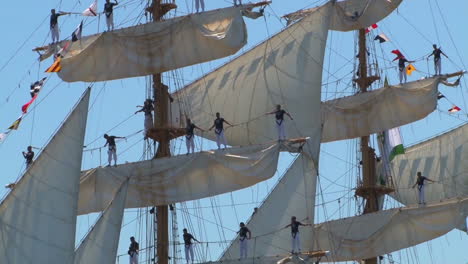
[
  {"x": 56, "y": 67},
  {"x": 410, "y": 69}
]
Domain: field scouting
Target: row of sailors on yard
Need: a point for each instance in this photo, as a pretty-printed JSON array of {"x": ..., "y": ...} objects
[{"x": 244, "y": 236}]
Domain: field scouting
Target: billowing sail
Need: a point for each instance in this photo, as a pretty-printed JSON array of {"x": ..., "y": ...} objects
[
  {"x": 378, "y": 110},
  {"x": 38, "y": 217},
  {"x": 294, "y": 195},
  {"x": 376, "y": 234},
  {"x": 286, "y": 69},
  {"x": 181, "y": 178},
  {"x": 101, "y": 243},
  {"x": 353, "y": 14},
  {"x": 442, "y": 159},
  {"x": 155, "y": 47}
]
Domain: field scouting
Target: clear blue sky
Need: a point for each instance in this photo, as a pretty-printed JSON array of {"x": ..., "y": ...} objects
[{"x": 413, "y": 29}]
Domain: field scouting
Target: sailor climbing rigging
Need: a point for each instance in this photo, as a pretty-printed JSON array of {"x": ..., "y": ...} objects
[
  {"x": 133, "y": 251},
  {"x": 147, "y": 108},
  {"x": 437, "y": 59},
  {"x": 109, "y": 11},
  {"x": 295, "y": 239},
  {"x": 279, "y": 115},
  {"x": 420, "y": 182},
  {"x": 219, "y": 130},
  {"x": 54, "y": 28},
  {"x": 189, "y": 135},
  {"x": 188, "y": 246},
  {"x": 28, "y": 156},
  {"x": 243, "y": 231},
  {"x": 112, "y": 151}
]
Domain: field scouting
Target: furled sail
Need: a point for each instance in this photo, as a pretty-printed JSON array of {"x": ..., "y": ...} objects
[
  {"x": 375, "y": 111},
  {"x": 383, "y": 232},
  {"x": 442, "y": 159},
  {"x": 38, "y": 217},
  {"x": 155, "y": 47},
  {"x": 101, "y": 243},
  {"x": 294, "y": 195},
  {"x": 181, "y": 178},
  {"x": 353, "y": 14}
]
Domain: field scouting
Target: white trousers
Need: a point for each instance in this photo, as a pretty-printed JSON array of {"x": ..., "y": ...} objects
[
  {"x": 281, "y": 132},
  {"x": 54, "y": 31},
  {"x": 235, "y": 2},
  {"x": 112, "y": 153},
  {"x": 148, "y": 123},
  {"x": 220, "y": 139},
  {"x": 295, "y": 243},
  {"x": 199, "y": 3},
  {"x": 243, "y": 248},
  {"x": 190, "y": 143},
  {"x": 421, "y": 195},
  {"x": 134, "y": 258},
  {"x": 110, "y": 22},
  {"x": 438, "y": 66},
  {"x": 189, "y": 253},
  {"x": 403, "y": 77}
]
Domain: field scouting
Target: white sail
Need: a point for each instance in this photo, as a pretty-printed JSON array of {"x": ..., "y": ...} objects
[
  {"x": 378, "y": 110},
  {"x": 285, "y": 69},
  {"x": 38, "y": 217},
  {"x": 294, "y": 195},
  {"x": 101, "y": 243},
  {"x": 155, "y": 47},
  {"x": 353, "y": 14},
  {"x": 383, "y": 232},
  {"x": 181, "y": 178},
  {"x": 442, "y": 159}
]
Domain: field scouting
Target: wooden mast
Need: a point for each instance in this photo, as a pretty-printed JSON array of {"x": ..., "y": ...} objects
[
  {"x": 161, "y": 106},
  {"x": 367, "y": 190}
]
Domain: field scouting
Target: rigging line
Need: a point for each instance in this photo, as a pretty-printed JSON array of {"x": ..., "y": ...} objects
[
  {"x": 434, "y": 21},
  {"x": 417, "y": 31},
  {"x": 114, "y": 127}
]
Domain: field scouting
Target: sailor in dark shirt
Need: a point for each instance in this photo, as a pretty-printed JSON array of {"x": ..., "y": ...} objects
[
  {"x": 437, "y": 59},
  {"x": 243, "y": 231},
  {"x": 295, "y": 240},
  {"x": 402, "y": 68},
  {"x": 112, "y": 152},
  {"x": 279, "y": 115},
  {"x": 133, "y": 251},
  {"x": 219, "y": 130},
  {"x": 28, "y": 156},
  {"x": 420, "y": 182},
  {"x": 188, "y": 245},
  {"x": 147, "y": 108},
  {"x": 54, "y": 29},
  {"x": 189, "y": 136},
  {"x": 109, "y": 11}
]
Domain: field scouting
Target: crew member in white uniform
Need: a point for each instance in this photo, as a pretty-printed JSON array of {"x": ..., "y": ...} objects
[
  {"x": 279, "y": 115},
  {"x": 420, "y": 182},
  {"x": 295, "y": 239},
  {"x": 190, "y": 135},
  {"x": 219, "y": 130},
  {"x": 188, "y": 246},
  {"x": 133, "y": 251},
  {"x": 243, "y": 238},
  {"x": 147, "y": 108}
]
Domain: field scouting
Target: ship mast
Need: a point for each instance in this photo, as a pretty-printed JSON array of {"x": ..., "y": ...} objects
[
  {"x": 368, "y": 189},
  {"x": 161, "y": 133}
]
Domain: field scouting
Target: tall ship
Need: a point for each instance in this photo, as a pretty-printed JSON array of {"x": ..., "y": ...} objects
[{"x": 272, "y": 132}]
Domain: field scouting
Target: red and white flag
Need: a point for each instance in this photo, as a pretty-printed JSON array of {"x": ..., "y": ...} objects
[
  {"x": 454, "y": 109},
  {"x": 368, "y": 29},
  {"x": 91, "y": 10}
]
